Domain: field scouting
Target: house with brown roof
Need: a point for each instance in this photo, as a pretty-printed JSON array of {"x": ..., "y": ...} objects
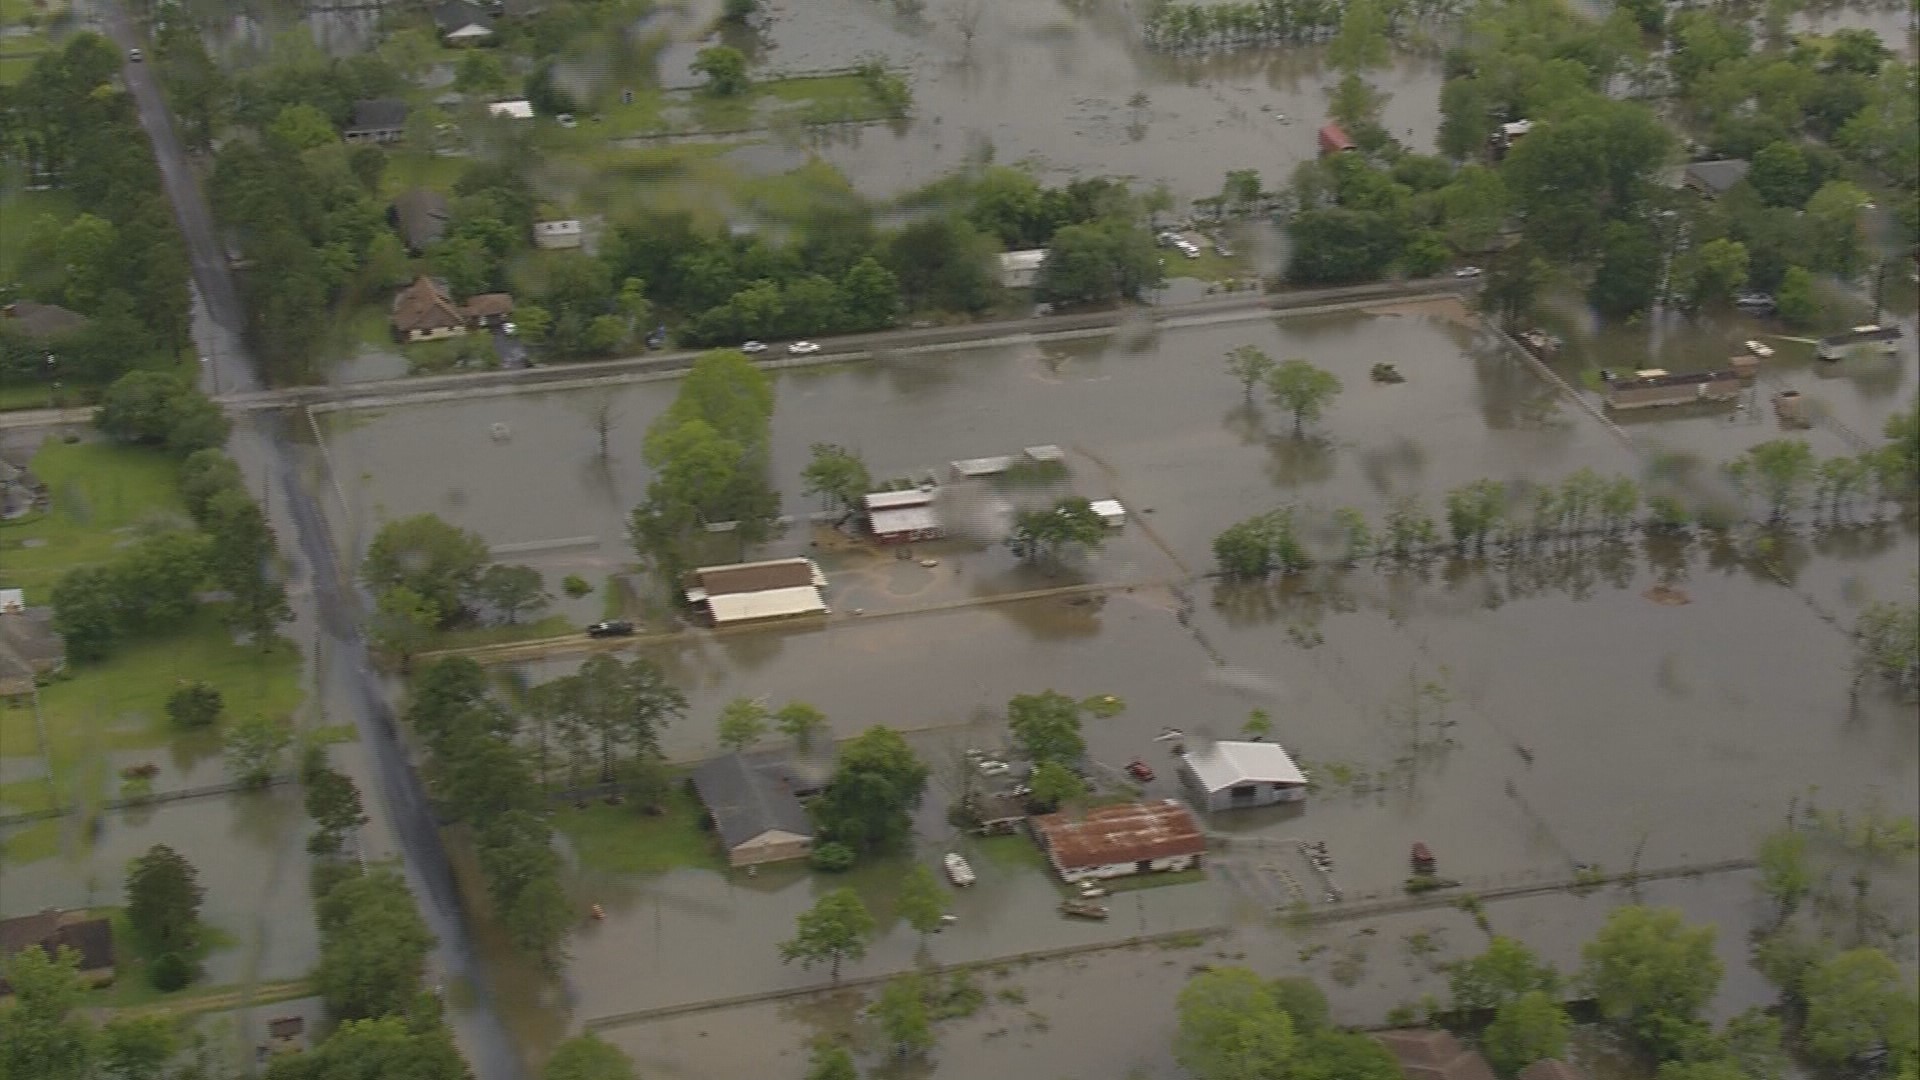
[
  {"x": 746, "y": 592},
  {"x": 53, "y": 930},
  {"x": 30, "y": 649},
  {"x": 1335, "y": 140},
  {"x": 425, "y": 311},
  {"x": 1425, "y": 1054},
  {"x": 489, "y": 309},
  {"x": 1115, "y": 841}
]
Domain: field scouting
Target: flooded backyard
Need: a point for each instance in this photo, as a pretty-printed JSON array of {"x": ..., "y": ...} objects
[{"x": 1525, "y": 717}]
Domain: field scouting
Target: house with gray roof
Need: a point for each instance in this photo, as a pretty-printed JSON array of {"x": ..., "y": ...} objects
[
  {"x": 1713, "y": 179},
  {"x": 377, "y": 120},
  {"x": 1229, "y": 775},
  {"x": 420, "y": 216},
  {"x": 461, "y": 23},
  {"x": 754, "y": 806}
]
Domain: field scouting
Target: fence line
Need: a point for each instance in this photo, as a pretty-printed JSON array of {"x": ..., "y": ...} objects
[{"x": 130, "y": 802}]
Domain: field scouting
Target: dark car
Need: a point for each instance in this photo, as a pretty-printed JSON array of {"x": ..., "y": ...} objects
[
  {"x": 1140, "y": 771},
  {"x": 610, "y": 628}
]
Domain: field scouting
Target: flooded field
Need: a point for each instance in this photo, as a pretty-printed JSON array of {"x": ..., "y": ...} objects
[{"x": 1573, "y": 708}]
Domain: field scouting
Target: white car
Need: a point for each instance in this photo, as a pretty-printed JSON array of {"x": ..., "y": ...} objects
[
  {"x": 802, "y": 348},
  {"x": 1760, "y": 349},
  {"x": 1468, "y": 272},
  {"x": 567, "y": 121},
  {"x": 753, "y": 347},
  {"x": 509, "y": 329},
  {"x": 134, "y": 55}
]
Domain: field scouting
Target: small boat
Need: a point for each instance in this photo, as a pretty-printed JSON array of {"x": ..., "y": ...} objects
[
  {"x": 1089, "y": 890},
  {"x": 1760, "y": 349},
  {"x": 957, "y": 869},
  {"x": 1085, "y": 909}
]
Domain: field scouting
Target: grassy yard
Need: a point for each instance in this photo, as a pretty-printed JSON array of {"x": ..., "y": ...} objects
[
  {"x": 1013, "y": 852},
  {"x": 131, "y": 988},
  {"x": 119, "y": 703},
  {"x": 101, "y": 493},
  {"x": 20, "y": 209},
  {"x": 551, "y": 626},
  {"x": 622, "y": 840}
]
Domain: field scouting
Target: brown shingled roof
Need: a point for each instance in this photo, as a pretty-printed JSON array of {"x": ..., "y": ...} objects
[
  {"x": 489, "y": 305},
  {"x": 56, "y": 930},
  {"x": 1129, "y": 832},
  {"x": 755, "y": 576},
  {"x": 1434, "y": 1055},
  {"x": 424, "y": 305}
]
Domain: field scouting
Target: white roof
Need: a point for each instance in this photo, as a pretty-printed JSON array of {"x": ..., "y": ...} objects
[
  {"x": 983, "y": 466},
  {"x": 894, "y": 500},
  {"x": 1109, "y": 508},
  {"x": 1030, "y": 259},
  {"x": 13, "y": 600},
  {"x": 471, "y": 30},
  {"x": 904, "y": 519},
  {"x": 1517, "y": 128},
  {"x": 513, "y": 110},
  {"x": 1228, "y": 764},
  {"x": 1045, "y": 453},
  {"x": 770, "y": 604},
  {"x": 567, "y": 225}
]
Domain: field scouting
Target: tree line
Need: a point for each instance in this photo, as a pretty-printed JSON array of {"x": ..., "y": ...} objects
[
  {"x": 119, "y": 261},
  {"x": 428, "y": 577},
  {"x": 1177, "y": 26}
]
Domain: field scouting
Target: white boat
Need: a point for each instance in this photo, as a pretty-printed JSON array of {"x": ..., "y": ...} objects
[
  {"x": 957, "y": 869},
  {"x": 1760, "y": 349}
]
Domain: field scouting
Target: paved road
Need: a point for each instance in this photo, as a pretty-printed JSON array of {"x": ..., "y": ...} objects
[{"x": 346, "y": 675}]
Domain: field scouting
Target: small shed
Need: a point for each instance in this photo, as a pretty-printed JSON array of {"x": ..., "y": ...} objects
[
  {"x": 1111, "y": 512},
  {"x": 41, "y": 321},
  {"x": 981, "y": 468},
  {"x": 1021, "y": 269},
  {"x": 555, "y": 235},
  {"x": 904, "y": 516},
  {"x": 1231, "y": 775},
  {"x": 420, "y": 216},
  {"x": 1335, "y": 140},
  {"x": 518, "y": 109}
]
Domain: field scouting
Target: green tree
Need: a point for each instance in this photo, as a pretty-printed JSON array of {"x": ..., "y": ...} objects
[
  {"x": 1250, "y": 366},
  {"x": 157, "y": 409},
  {"x": 586, "y": 1057},
  {"x": 523, "y": 881},
  {"x": 876, "y": 783},
  {"x": 1046, "y": 727},
  {"x": 800, "y": 722},
  {"x": 1361, "y": 42},
  {"x": 1231, "y": 1028},
  {"x": 437, "y": 561},
  {"x": 163, "y": 900},
  {"x": 1628, "y": 276},
  {"x": 256, "y": 748},
  {"x": 1302, "y": 389},
  {"x": 921, "y": 902},
  {"x": 373, "y": 946},
  {"x": 1054, "y": 785},
  {"x": 240, "y": 558},
  {"x": 1042, "y": 534},
  {"x": 1474, "y": 207},
  {"x": 302, "y": 127},
  {"x": 1474, "y": 511},
  {"x": 87, "y": 611},
  {"x": 1856, "y": 1001},
  {"x": 1796, "y": 301},
  {"x": 403, "y": 622},
  {"x": 1302, "y": 1001},
  {"x": 1505, "y": 971},
  {"x": 1785, "y": 874},
  {"x": 835, "y": 929},
  {"x": 194, "y": 705},
  {"x": 386, "y": 1046},
  {"x": 1524, "y": 1030},
  {"x": 45, "y": 1039},
  {"x": 138, "y": 1047},
  {"x": 871, "y": 294},
  {"x": 1327, "y": 1054},
  {"x": 1713, "y": 272},
  {"x": 902, "y": 1010},
  {"x": 1836, "y": 236},
  {"x": 830, "y": 1062},
  {"x": 837, "y": 474},
  {"x": 743, "y": 722},
  {"x": 1258, "y": 725},
  {"x": 1651, "y": 972},
  {"x": 1781, "y": 174},
  {"x": 333, "y": 802},
  {"x": 1778, "y": 470},
  {"x": 1099, "y": 261},
  {"x": 511, "y": 590},
  {"x": 725, "y": 69},
  {"x": 479, "y": 72}
]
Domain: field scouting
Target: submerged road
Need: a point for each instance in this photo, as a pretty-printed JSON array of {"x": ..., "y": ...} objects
[{"x": 340, "y": 656}]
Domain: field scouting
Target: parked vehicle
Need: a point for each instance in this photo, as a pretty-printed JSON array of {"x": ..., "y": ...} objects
[
  {"x": 1468, "y": 272},
  {"x": 802, "y": 348},
  {"x": 1760, "y": 349},
  {"x": 1140, "y": 771},
  {"x": 135, "y": 56},
  {"x": 958, "y": 871},
  {"x": 610, "y": 628},
  {"x": 509, "y": 329},
  {"x": 1084, "y": 909},
  {"x": 751, "y": 347}
]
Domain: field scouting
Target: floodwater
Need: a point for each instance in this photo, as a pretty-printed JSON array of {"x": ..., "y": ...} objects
[{"x": 1519, "y": 718}]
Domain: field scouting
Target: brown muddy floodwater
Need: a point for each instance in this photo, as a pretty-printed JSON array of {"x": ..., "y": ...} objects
[{"x": 1628, "y": 703}]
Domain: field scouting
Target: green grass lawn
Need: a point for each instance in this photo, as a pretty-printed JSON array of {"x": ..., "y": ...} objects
[
  {"x": 551, "y": 626},
  {"x": 101, "y": 493},
  {"x": 130, "y": 987},
  {"x": 622, "y": 840},
  {"x": 120, "y": 703},
  {"x": 1013, "y": 852}
]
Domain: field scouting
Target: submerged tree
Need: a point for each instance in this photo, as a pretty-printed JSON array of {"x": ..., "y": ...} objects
[
  {"x": 1302, "y": 389},
  {"x": 1249, "y": 366},
  {"x": 836, "y": 928},
  {"x": 1042, "y": 534}
]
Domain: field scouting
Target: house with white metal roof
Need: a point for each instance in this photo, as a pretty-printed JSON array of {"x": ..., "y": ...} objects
[
  {"x": 1231, "y": 775},
  {"x": 747, "y": 592}
]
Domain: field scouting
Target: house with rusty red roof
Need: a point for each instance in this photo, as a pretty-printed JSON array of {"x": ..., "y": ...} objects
[
  {"x": 1115, "y": 841},
  {"x": 1425, "y": 1054}
]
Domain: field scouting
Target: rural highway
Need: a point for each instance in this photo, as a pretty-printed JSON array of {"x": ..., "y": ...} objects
[{"x": 346, "y": 674}]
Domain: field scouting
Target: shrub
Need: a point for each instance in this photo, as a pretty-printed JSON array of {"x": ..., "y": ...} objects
[
  {"x": 170, "y": 972},
  {"x": 832, "y": 857},
  {"x": 575, "y": 586},
  {"x": 194, "y": 705}
]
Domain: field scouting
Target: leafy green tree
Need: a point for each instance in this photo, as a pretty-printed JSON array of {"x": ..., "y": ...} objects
[
  {"x": 1837, "y": 237},
  {"x": 385, "y": 1046},
  {"x": 1785, "y": 874},
  {"x": 835, "y": 929},
  {"x": 1231, "y": 1028},
  {"x": 876, "y": 784},
  {"x": 1302, "y": 389},
  {"x": 240, "y": 558},
  {"x": 256, "y": 749},
  {"x": 373, "y": 947},
  {"x": 158, "y": 409},
  {"x": 800, "y": 722},
  {"x": 1474, "y": 511},
  {"x": 1326, "y": 1054},
  {"x": 921, "y": 902},
  {"x": 1042, "y": 533},
  {"x": 1473, "y": 207},
  {"x": 871, "y": 294},
  {"x": 1781, "y": 174},
  {"x": 301, "y": 127},
  {"x": 1302, "y": 1001},
  {"x": 138, "y": 1047},
  {"x": 479, "y": 72},
  {"x": 403, "y": 622},
  {"x": 944, "y": 264},
  {"x": 1629, "y": 273},
  {"x": 902, "y": 1010},
  {"x": 838, "y": 474},
  {"x": 1651, "y": 972},
  {"x": 1505, "y": 971},
  {"x": 586, "y": 1057},
  {"x": 1856, "y": 1001},
  {"x": 1524, "y": 1030},
  {"x": 437, "y": 561},
  {"x": 1778, "y": 470},
  {"x": 1046, "y": 727},
  {"x": 87, "y": 611},
  {"x": 1099, "y": 261},
  {"x": 743, "y": 722},
  {"x": 1796, "y": 301},
  {"x": 1361, "y": 42},
  {"x": 725, "y": 69},
  {"x": 830, "y": 1062},
  {"x": 194, "y": 705},
  {"x": 511, "y": 590},
  {"x": 1258, "y": 725},
  {"x": 1713, "y": 272},
  {"x": 523, "y": 881},
  {"x": 333, "y": 802},
  {"x": 1054, "y": 785},
  {"x": 163, "y": 900},
  {"x": 1249, "y": 366},
  {"x": 46, "y": 1040}
]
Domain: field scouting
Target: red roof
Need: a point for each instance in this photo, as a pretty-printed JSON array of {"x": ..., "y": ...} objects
[
  {"x": 1334, "y": 138},
  {"x": 1130, "y": 832}
]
